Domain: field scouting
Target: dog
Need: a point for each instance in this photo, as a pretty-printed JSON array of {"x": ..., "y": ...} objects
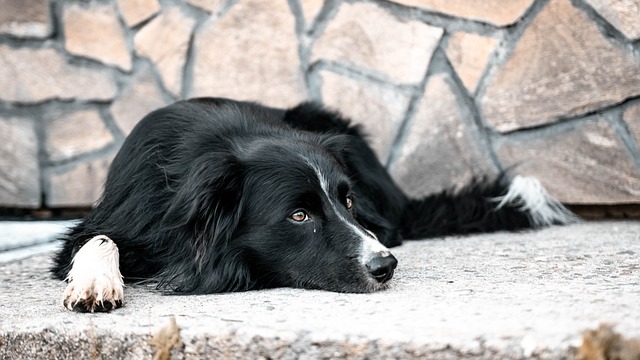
[{"x": 212, "y": 195}]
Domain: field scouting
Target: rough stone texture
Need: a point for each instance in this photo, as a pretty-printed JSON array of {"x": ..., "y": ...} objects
[
  {"x": 37, "y": 75},
  {"x": 165, "y": 40},
  {"x": 526, "y": 295},
  {"x": 441, "y": 151},
  {"x": 562, "y": 66},
  {"x": 622, "y": 14},
  {"x": 310, "y": 9},
  {"x": 25, "y": 18},
  {"x": 69, "y": 134},
  {"x": 256, "y": 59},
  {"x": 632, "y": 118},
  {"x": 207, "y": 5},
  {"x": 469, "y": 55},
  {"x": 586, "y": 165},
  {"x": 141, "y": 96},
  {"x": 19, "y": 168},
  {"x": 81, "y": 185},
  {"x": 380, "y": 110},
  {"x": 136, "y": 11},
  {"x": 367, "y": 36},
  {"x": 95, "y": 32},
  {"x": 496, "y": 12}
]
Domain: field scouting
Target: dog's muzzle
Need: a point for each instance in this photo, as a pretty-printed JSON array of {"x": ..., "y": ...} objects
[{"x": 381, "y": 266}]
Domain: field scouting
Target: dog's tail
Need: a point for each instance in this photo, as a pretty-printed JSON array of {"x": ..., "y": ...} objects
[{"x": 484, "y": 206}]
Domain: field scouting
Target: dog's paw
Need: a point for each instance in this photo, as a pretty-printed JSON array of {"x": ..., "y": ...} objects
[{"x": 95, "y": 282}]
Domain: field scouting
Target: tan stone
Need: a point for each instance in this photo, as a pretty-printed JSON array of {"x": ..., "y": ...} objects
[
  {"x": 632, "y": 118},
  {"x": 562, "y": 66},
  {"x": 496, "y": 12},
  {"x": 624, "y": 15},
  {"x": 37, "y": 75},
  {"x": 165, "y": 40},
  {"x": 81, "y": 185},
  {"x": 310, "y": 9},
  {"x": 250, "y": 54},
  {"x": 207, "y": 5},
  {"x": 19, "y": 167},
  {"x": 365, "y": 35},
  {"x": 469, "y": 55},
  {"x": 141, "y": 96},
  {"x": 441, "y": 150},
  {"x": 380, "y": 110},
  {"x": 25, "y": 18},
  {"x": 69, "y": 134},
  {"x": 95, "y": 32},
  {"x": 585, "y": 165},
  {"x": 136, "y": 11}
]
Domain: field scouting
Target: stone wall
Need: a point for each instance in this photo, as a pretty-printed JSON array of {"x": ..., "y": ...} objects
[{"x": 448, "y": 90}]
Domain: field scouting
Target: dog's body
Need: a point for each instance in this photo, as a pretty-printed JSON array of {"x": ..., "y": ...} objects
[{"x": 213, "y": 195}]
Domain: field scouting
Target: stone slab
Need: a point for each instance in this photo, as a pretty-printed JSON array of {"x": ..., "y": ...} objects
[
  {"x": 25, "y": 18},
  {"x": 495, "y": 12},
  {"x": 95, "y": 32},
  {"x": 622, "y": 14},
  {"x": 379, "y": 109},
  {"x": 562, "y": 66},
  {"x": 165, "y": 40},
  {"x": 19, "y": 164},
  {"x": 441, "y": 149},
  {"x": 632, "y": 118},
  {"x": 584, "y": 165},
  {"x": 135, "y": 12},
  {"x": 498, "y": 296},
  {"x": 43, "y": 74},
  {"x": 69, "y": 134},
  {"x": 469, "y": 55},
  {"x": 250, "y": 54},
  {"x": 367, "y": 36}
]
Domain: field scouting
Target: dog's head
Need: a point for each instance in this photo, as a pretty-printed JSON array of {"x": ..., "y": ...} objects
[{"x": 278, "y": 212}]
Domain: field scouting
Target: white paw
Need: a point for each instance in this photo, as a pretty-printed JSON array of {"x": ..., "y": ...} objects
[{"x": 95, "y": 282}]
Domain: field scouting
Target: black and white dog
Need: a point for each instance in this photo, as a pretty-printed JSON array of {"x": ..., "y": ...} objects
[{"x": 214, "y": 195}]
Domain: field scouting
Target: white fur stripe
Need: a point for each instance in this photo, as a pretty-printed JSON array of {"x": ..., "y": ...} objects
[
  {"x": 370, "y": 246},
  {"x": 528, "y": 194}
]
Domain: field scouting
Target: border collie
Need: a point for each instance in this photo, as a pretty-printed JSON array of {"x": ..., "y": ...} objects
[{"x": 214, "y": 195}]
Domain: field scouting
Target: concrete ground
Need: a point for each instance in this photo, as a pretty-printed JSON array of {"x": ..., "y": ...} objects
[{"x": 505, "y": 295}]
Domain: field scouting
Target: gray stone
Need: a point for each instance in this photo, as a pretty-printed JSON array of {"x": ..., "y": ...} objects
[
  {"x": 69, "y": 134},
  {"x": 95, "y": 32},
  {"x": 441, "y": 150},
  {"x": 19, "y": 167},
  {"x": 365, "y": 35},
  {"x": 25, "y": 18},
  {"x": 136, "y": 11},
  {"x": 81, "y": 185},
  {"x": 623, "y": 14},
  {"x": 380, "y": 110},
  {"x": 141, "y": 96},
  {"x": 37, "y": 75},
  {"x": 495, "y": 12},
  {"x": 250, "y": 54},
  {"x": 165, "y": 40},
  {"x": 562, "y": 66},
  {"x": 585, "y": 165},
  {"x": 527, "y": 295}
]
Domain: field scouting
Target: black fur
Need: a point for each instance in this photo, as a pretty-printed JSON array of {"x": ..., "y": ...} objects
[{"x": 200, "y": 196}]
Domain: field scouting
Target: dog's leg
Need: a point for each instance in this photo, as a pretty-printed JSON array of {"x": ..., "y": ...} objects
[{"x": 95, "y": 282}]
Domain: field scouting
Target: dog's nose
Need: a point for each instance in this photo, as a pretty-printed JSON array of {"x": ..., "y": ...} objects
[{"x": 381, "y": 267}]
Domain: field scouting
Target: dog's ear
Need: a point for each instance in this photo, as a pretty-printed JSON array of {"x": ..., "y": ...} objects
[
  {"x": 207, "y": 200},
  {"x": 337, "y": 145}
]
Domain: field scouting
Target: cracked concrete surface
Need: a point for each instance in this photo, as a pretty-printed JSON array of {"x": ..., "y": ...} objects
[{"x": 504, "y": 295}]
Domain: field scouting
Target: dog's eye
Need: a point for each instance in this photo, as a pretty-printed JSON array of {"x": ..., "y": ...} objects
[
  {"x": 349, "y": 202},
  {"x": 299, "y": 216}
]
